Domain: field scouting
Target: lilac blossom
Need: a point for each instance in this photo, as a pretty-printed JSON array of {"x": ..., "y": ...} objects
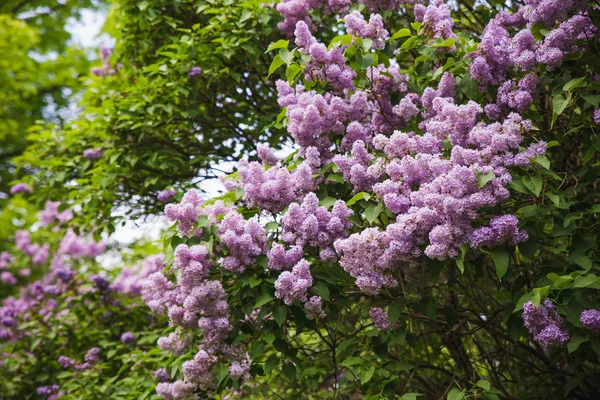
[
  {"x": 165, "y": 195},
  {"x": 93, "y": 153},
  {"x": 590, "y": 319},
  {"x": 292, "y": 286},
  {"x": 545, "y": 324},
  {"x": 314, "y": 308},
  {"x": 21, "y": 188}
]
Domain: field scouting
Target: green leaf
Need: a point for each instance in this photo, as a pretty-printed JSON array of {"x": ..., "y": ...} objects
[
  {"x": 327, "y": 202},
  {"x": 524, "y": 299},
  {"x": 408, "y": 43},
  {"x": 576, "y": 340},
  {"x": 289, "y": 370},
  {"x": 444, "y": 43},
  {"x": 584, "y": 281},
  {"x": 280, "y": 44},
  {"x": 271, "y": 364},
  {"x": 279, "y": 313},
  {"x": 366, "y": 375},
  {"x": 292, "y": 71},
  {"x": 358, "y": 197},
  {"x": 395, "y": 311},
  {"x": 485, "y": 385},
  {"x": 533, "y": 183},
  {"x": 336, "y": 178},
  {"x": 581, "y": 259},
  {"x": 366, "y": 61},
  {"x": 456, "y": 394},
  {"x": 264, "y": 299},
  {"x": 373, "y": 211},
  {"x": 401, "y": 33},
  {"x": 287, "y": 56},
  {"x": 351, "y": 361},
  {"x": 277, "y": 62},
  {"x": 543, "y": 161},
  {"x": 321, "y": 289},
  {"x": 501, "y": 259},
  {"x": 573, "y": 83},
  {"x": 592, "y": 99},
  {"x": 221, "y": 371},
  {"x": 460, "y": 260},
  {"x": 254, "y": 281},
  {"x": 411, "y": 396},
  {"x": 482, "y": 179},
  {"x": 203, "y": 221}
]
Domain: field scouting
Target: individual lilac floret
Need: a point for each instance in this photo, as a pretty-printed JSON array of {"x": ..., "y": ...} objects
[
  {"x": 597, "y": 117},
  {"x": 544, "y": 323},
  {"x": 379, "y": 318},
  {"x": 292, "y": 286},
  {"x": 314, "y": 308},
  {"x": 93, "y": 154},
  {"x": 165, "y": 195},
  {"x": 590, "y": 319},
  {"x": 194, "y": 72},
  {"x": 21, "y": 188}
]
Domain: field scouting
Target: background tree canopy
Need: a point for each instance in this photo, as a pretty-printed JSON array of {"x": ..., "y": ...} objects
[{"x": 407, "y": 205}]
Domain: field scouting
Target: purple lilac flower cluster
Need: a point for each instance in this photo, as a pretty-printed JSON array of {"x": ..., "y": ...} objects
[
  {"x": 498, "y": 50},
  {"x": 91, "y": 358},
  {"x": 50, "y": 214},
  {"x": 379, "y": 318},
  {"x": 93, "y": 154},
  {"x": 106, "y": 68},
  {"x": 314, "y": 308},
  {"x": 50, "y": 392},
  {"x": 275, "y": 188},
  {"x": 38, "y": 296},
  {"x": 21, "y": 188},
  {"x": 195, "y": 301},
  {"x": 436, "y": 18},
  {"x": 165, "y": 195},
  {"x": 194, "y": 72},
  {"x": 374, "y": 29},
  {"x": 294, "y": 11},
  {"x": 311, "y": 224},
  {"x": 186, "y": 212},
  {"x": 292, "y": 286},
  {"x": 132, "y": 280},
  {"x": 590, "y": 319},
  {"x": 39, "y": 254},
  {"x": 544, "y": 323},
  {"x": 244, "y": 239}
]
